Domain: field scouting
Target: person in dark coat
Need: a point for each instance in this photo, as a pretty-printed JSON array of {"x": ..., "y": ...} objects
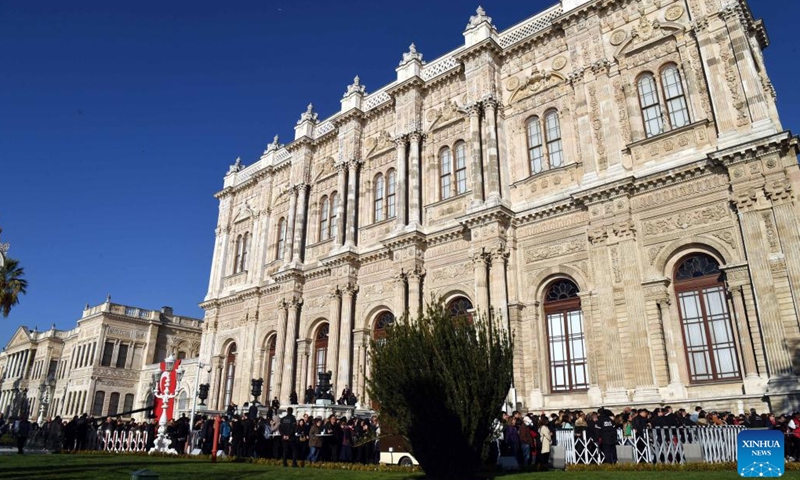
[
  {"x": 22, "y": 430},
  {"x": 288, "y": 428},
  {"x": 608, "y": 436},
  {"x": 54, "y": 436},
  {"x": 237, "y": 437}
]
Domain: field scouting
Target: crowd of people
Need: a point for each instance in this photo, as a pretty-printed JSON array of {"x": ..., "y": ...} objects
[{"x": 529, "y": 438}]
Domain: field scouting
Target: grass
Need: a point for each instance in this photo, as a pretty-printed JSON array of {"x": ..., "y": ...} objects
[{"x": 88, "y": 467}]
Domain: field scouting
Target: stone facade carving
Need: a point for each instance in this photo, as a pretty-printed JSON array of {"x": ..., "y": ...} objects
[{"x": 686, "y": 220}]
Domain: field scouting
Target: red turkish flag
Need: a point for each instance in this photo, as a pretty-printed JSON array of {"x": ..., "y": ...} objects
[{"x": 162, "y": 385}]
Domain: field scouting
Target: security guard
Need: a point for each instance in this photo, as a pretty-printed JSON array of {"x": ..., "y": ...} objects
[{"x": 608, "y": 436}]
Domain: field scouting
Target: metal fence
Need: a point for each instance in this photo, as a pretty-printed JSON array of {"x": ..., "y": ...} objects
[
  {"x": 121, "y": 441},
  {"x": 658, "y": 445}
]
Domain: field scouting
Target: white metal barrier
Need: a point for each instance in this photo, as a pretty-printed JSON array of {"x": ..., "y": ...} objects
[
  {"x": 120, "y": 441},
  {"x": 657, "y": 445}
]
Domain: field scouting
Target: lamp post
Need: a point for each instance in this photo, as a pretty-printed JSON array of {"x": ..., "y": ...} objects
[{"x": 162, "y": 442}]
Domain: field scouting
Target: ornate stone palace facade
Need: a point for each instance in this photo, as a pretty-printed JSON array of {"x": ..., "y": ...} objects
[
  {"x": 609, "y": 176},
  {"x": 101, "y": 367}
]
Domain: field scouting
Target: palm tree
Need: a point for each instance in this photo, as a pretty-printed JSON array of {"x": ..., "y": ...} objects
[{"x": 12, "y": 284}]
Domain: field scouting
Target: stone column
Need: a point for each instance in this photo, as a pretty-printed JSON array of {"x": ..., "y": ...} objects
[
  {"x": 335, "y": 298},
  {"x": 492, "y": 162},
  {"x": 402, "y": 183},
  {"x": 299, "y": 227},
  {"x": 303, "y": 351},
  {"x": 287, "y": 252},
  {"x": 289, "y": 358},
  {"x": 476, "y": 167},
  {"x": 745, "y": 343},
  {"x": 115, "y": 354},
  {"x": 481, "y": 273},
  {"x": 341, "y": 182},
  {"x": 352, "y": 201},
  {"x": 280, "y": 349},
  {"x": 787, "y": 222},
  {"x": 360, "y": 343},
  {"x": 399, "y": 280},
  {"x": 414, "y": 278},
  {"x": 414, "y": 190},
  {"x": 346, "y": 336},
  {"x": 499, "y": 292}
]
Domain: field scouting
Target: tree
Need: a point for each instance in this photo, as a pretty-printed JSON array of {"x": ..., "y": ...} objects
[
  {"x": 12, "y": 284},
  {"x": 442, "y": 380}
]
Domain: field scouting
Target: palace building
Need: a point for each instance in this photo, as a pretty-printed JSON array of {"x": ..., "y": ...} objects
[{"x": 610, "y": 177}]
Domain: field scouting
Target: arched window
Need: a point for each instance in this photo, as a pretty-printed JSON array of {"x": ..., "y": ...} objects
[
  {"x": 391, "y": 190},
  {"x": 334, "y": 213},
  {"x": 149, "y": 400},
  {"x": 113, "y": 404},
  {"x": 183, "y": 402},
  {"x": 461, "y": 307},
  {"x": 381, "y": 324},
  {"x": 566, "y": 337},
  {"x": 650, "y": 105},
  {"x": 461, "y": 168},
  {"x": 270, "y": 390},
  {"x": 99, "y": 399},
  {"x": 281, "y": 244},
  {"x": 324, "y": 216},
  {"x": 445, "y": 173},
  {"x": 673, "y": 94},
  {"x": 710, "y": 345},
  {"x": 128, "y": 405},
  {"x": 378, "y": 198},
  {"x": 245, "y": 249},
  {"x": 553, "y": 132},
  {"x": 237, "y": 261},
  {"x": 535, "y": 147},
  {"x": 230, "y": 372},
  {"x": 320, "y": 350}
]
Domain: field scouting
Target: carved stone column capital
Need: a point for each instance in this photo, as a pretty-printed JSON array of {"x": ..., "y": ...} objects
[
  {"x": 473, "y": 110},
  {"x": 779, "y": 191},
  {"x": 598, "y": 236},
  {"x": 350, "y": 289},
  {"x": 414, "y": 137},
  {"x": 479, "y": 258},
  {"x": 301, "y": 188},
  {"x": 341, "y": 167},
  {"x": 746, "y": 200},
  {"x": 400, "y": 141},
  {"x": 354, "y": 164},
  {"x": 334, "y": 292},
  {"x": 625, "y": 230},
  {"x": 490, "y": 103}
]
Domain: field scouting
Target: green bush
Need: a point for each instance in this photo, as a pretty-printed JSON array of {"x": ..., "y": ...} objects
[{"x": 440, "y": 381}]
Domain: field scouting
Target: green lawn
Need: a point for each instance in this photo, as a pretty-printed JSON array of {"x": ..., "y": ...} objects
[{"x": 87, "y": 467}]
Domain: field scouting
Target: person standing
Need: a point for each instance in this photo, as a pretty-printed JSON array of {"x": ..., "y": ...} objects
[
  {"x": 22, "y": 430},
  {"x": 608, "y": 436},
  {"x": 544, "y": 454},
  {"x": 288, "y": 428}
]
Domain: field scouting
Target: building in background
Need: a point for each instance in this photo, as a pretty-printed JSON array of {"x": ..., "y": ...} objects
[
  {"x": 610, "y": 177},
  {"x": 102, "y": 367}
]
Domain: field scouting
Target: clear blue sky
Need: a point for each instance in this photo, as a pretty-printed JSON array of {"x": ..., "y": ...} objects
[{"x": 119, "y": 119}]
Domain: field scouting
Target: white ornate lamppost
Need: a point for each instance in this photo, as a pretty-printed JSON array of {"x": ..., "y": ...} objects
[
  {"x": 165, "y": 394},
  {"x": 44, "y": 400}
]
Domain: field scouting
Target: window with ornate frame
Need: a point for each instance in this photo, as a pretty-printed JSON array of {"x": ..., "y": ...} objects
[
  {"x": 324, "y": 217},
  {"x": 652, "y": 107},
  {"x": 566, "y": 338},
  {"x": 461, "y": 307},
  {"x": 391, "y": 178},
  {"x": 280, "y": 246},
  {"x": 445, "y": 173},
  {"x": 113, "y": 405},
  {"x": 320, "y": 350},
  {"x": 334, "y": 223},
  {"x": 99, "y": 400},
  {"x": 230, "y": 375},
  {"x": 378, "y": 197},
  {"x": 708, "y": 336},
  {"x": 461, "y": 167},
  {"x": 382, "y": 322},
  {"x": 545, "y": 148}
]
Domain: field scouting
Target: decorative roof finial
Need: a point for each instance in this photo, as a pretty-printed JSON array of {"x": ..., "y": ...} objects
[
  {"x": 308, "y": 115},
  {"x": 237, "y": 165},
  {"x": 108, "y": 298},
  {"x": 479, "y": 17},
  {"x": 274, "y": 145},
  {"x": 356, "y": 87},
  {"x": 412, "y": 54}
]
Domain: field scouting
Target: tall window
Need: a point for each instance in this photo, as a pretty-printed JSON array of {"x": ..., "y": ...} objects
[
  {"x": 113, "y": 404},
  {"x": 535, "y": 145},
  {"x": 122, "y": 356},
  {"x": 108, "y": 352},
  {"x": 391, "y": 178},
  {"x": 334, "y": 213},
  {"x": 270, "y": 368},
  {"x": 673, "y": 94},
  {"x": 324, "y": 218},
  {"x": 320, "y": 350},
  {"x": 281, "y": 244},
  {"x": 461, "y": 168},
  {"x": 183, "y": 401},
  {"x": 378, "y": 198},
  {"x": 237, "y": 260},
  {"x": 128, "y": 405},
  {"x": 566, "y": 337},
  {"x": 99, "y": 399},
  {"x": 381, "y": 324},
  {"x": 230, "y": 372},
  {"x": 553, "y": 133},
  {"x": 445, "y": 173},
  {"x": 245, "y": 249},
  {"x": 710, "y": 346},
  {"x": 461, "y": 307},
  {"x": 651, "y": 107}
]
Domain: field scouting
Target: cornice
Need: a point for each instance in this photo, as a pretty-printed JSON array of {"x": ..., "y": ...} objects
[
  {"x": 347, "y": 257},
  {"x": 375, "y": 256},
  {"x": 318, "y": 272},
  {"x": 414, "y": 82},
  {"x": 555, "y": 209},
  {"x": 291, "y": 274},
  {"x": 445, "y": 235},
  {"x": 344, "y": 117},
  {"x": 605, "y": 192},
  {"x": 485, "y": 216},
  {"x": 406, "y": 239},
  {"x": 304, "y": 141},
  {"x": 442, "y": 77},
  {"x": 489, "y": 44},
  {"x": 675, "y": 176},
  {"x": 779, "y": 143}
]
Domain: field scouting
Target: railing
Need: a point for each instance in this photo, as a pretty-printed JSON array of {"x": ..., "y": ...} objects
[
  {"x": 657, "y": 445},
  {"x": 120, "y": 441}
]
